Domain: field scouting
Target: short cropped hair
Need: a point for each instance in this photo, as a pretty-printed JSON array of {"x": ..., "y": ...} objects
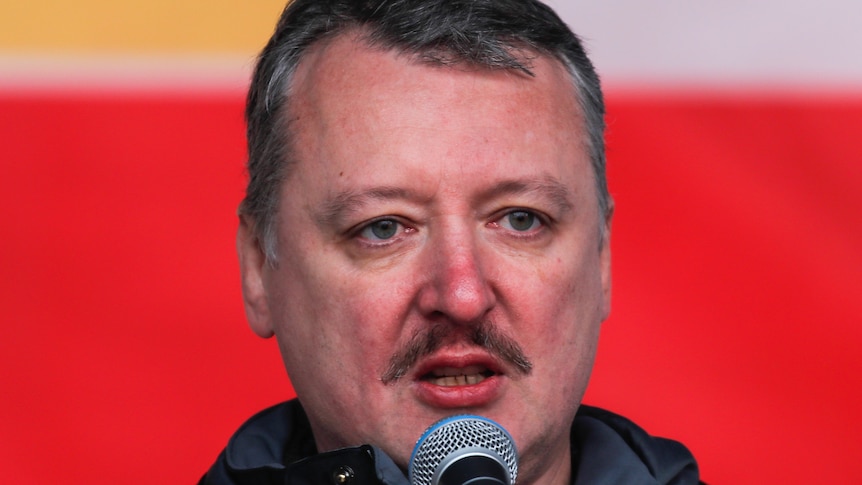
[{"x": 494, "y": 34}]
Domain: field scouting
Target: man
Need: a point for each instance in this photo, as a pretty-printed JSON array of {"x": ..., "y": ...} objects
[{"x": 426, "y": 233}]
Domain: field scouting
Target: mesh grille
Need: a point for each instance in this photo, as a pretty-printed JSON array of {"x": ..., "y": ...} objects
[{"x": 456, "y": 433}]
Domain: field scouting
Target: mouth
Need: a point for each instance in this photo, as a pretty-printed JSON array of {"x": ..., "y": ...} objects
[
  {"x": 448, "y": 381},
  {"x": 457, "y": 376}
]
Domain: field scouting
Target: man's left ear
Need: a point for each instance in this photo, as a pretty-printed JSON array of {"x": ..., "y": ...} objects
[
  {"x": 252, "y": 265},
  {"x": 605, "y": 256}
]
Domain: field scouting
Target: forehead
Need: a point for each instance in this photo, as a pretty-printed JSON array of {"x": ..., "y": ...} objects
[{"x": 352, "y": 101}]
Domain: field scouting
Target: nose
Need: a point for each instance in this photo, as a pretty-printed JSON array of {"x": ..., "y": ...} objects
[{"x": 456, "y": 286}]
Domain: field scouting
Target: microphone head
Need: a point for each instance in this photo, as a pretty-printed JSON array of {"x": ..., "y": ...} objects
[{"x": 451, "y": 439}]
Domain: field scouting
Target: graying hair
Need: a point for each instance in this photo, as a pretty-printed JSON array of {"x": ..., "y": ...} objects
[{"x": 494, "y": 34}]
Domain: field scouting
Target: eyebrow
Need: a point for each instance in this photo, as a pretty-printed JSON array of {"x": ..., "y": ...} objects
[
  {"x": 344, "y": 203},
  {"x": 555, "y": 191}
]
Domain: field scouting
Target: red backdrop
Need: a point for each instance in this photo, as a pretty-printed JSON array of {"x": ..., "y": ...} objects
[{"x": 735, "y": 322}]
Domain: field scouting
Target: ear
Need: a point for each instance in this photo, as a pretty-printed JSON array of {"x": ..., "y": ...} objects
[
  {"x": 252, "y": 266},
  {"x": 605, "y": 259}
]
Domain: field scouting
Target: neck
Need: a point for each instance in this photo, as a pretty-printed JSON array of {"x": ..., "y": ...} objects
[{"x": 550, "y": 467}]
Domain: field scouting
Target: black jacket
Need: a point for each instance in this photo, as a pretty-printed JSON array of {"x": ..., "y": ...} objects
[{"x": 276, "y": 447}]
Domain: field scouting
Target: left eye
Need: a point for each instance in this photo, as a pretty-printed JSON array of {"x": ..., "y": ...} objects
[
  {"x": 520, "y": 221},
  {"x": 381, "y": 230}
]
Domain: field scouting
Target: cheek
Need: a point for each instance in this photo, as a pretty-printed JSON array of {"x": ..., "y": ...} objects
[
  {"x": 561, "y": 304},
  {"x": 338, "y": 320}
]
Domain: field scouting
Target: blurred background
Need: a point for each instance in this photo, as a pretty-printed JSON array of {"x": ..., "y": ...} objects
[{"x": 734, "y": 157}]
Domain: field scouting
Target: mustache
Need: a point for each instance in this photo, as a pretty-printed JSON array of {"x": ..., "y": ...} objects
[{"x": 425, "y": 342}]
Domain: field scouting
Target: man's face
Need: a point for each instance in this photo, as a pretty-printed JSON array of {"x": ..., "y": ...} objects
[{"x": 432, "y": 210}]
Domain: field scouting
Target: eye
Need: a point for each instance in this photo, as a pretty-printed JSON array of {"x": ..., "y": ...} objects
[
  {"x": 520, "y": 221},
  {"x": 381, "y": 230}
]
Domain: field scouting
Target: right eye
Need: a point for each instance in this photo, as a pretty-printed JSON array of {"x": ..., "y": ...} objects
[{"x": 381, "y": 230}]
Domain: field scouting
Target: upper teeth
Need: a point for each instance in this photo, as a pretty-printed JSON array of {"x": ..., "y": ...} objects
[
  {"x": 461, "y": 380},
  {"x": 457, "y": 371},
  {"x": 451, "y": 376}
]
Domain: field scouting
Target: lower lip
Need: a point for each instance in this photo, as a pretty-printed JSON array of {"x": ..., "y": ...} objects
[{"x": 474, "y": 395}]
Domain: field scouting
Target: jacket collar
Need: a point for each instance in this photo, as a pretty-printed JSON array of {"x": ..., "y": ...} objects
[{"x": 276, "y": 447}]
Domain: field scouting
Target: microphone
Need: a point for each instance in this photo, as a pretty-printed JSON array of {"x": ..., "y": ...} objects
[{"x": 462, "y": 450}]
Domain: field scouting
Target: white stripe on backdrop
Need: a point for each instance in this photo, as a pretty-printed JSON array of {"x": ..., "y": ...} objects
[{"x": 792, "y": 43}]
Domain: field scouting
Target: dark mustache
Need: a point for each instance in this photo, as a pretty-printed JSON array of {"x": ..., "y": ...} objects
[{"x": 425, "y": 342}]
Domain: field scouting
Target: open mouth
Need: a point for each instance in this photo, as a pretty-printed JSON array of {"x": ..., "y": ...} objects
[{"x": 458, "y": 376}]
